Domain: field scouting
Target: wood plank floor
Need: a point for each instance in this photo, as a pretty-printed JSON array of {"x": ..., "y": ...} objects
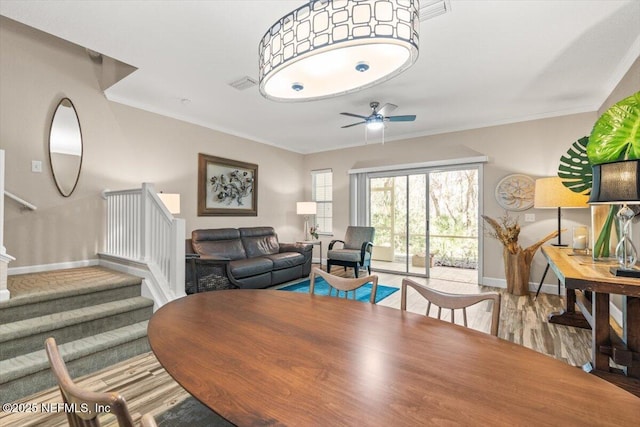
[{"x": 149, "y": 388}]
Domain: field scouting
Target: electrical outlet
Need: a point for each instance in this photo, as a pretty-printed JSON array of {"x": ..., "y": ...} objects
[
  {"x": 529, "y": 217},
  {"x": 36, "y": 166}
]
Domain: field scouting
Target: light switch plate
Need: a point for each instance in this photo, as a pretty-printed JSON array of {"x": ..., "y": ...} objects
[
  {"x": 36, "y": 166},
  {"x": 529, "y": 217}
]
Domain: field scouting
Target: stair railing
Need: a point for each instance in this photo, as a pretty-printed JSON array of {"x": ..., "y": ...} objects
[
  {"x": 140, "y": 229},
  {"x": 22, "y": 202}
]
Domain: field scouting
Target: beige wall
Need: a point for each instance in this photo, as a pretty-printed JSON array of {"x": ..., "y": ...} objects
[
  {"x": 123, "y": 147},
  {"x": 126, "y": 146},
  {"x": 532, "y": 148}
]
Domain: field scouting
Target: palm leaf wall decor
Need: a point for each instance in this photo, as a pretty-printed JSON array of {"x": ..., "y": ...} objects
[{"x": 575, "y": 168}]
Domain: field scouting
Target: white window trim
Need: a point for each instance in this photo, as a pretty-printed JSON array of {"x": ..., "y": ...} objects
[{"x": 313, "y": 195}]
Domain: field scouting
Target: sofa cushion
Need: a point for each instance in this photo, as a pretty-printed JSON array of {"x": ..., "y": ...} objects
[
  {"x": 286, "y": 274},
  {"x": 250, "y": 267},
  {"x": 222, "y": 242},
  {"x": 286, "y": 260},
  {"x": 260, "y": 281},
  {"x": 259, "y": 241}
]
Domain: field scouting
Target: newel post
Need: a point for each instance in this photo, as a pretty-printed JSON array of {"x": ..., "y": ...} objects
[
  {"x": 177, "y": 279},
  {"x": 145, "y": 227}
]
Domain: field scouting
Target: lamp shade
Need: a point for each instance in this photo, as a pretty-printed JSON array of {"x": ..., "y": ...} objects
[
  {"x": 616, "y": 183},
  {"x": 551, "y": 193},
  {"x": 332, "y": 47},
  {"x": 306, "y": 208},
  {"x": 171, "y": 201}
]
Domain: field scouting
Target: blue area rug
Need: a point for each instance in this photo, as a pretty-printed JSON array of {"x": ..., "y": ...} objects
[{"x": 322, "y": 288}]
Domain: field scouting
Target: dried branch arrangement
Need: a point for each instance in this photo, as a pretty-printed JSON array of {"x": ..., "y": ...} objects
[
  {"x": 517, "y": 261},
  {"x": 506, "y": 230}
]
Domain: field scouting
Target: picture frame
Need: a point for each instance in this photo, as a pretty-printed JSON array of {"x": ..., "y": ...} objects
[{"x": 226, "y": 187}]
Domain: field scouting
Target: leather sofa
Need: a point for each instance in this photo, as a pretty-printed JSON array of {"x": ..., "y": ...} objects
[{"x": 248, "y": 258}]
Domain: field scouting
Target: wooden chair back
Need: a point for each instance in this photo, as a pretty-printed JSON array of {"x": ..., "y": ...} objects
[
  {"x": 453, "y": 302},
  {"x": 84, "y": 406},
  {"x": 147, "y": 420},
  {"x": 344, "y": 283}
]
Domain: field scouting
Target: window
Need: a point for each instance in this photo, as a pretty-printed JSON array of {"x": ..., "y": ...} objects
[{"x": 322, "y": 194}]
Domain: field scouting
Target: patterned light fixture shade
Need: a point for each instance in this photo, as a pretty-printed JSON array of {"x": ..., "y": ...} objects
[{"x": 328, "y": 48}]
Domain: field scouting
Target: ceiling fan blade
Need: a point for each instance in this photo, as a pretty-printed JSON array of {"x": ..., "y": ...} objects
[
  {"x": 353, "y": 124},
  {"x": 387, "y": 109},
  {"x": 409, "y": 118},
  {"x": 354, "y": 115}
]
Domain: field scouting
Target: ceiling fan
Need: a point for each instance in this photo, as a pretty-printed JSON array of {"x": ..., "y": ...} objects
[{"x": 377, "y": 118}]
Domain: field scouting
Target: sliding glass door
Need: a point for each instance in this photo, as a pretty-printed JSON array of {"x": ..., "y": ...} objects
[{"x": 424, "y": 220}]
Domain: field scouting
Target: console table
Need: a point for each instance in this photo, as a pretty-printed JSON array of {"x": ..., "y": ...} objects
[{"x": 580, "y": 273}]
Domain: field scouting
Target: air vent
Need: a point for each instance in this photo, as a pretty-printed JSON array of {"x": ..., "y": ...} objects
[
  {"x": 432, "y": 8},
  {"x": 243, "y": 83}
]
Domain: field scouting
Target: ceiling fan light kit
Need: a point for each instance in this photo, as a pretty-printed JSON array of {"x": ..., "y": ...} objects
[
  {"x": 328, "y": 48},
  {"x": 377, "y": 118}
]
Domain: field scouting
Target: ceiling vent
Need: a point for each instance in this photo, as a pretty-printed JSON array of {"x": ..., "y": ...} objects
[
  {"x": 432, "y": 8},
  {"x": 243, "y": 83}
]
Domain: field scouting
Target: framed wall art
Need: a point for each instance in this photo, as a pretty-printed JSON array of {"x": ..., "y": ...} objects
[{"x": 226, "y": 187}]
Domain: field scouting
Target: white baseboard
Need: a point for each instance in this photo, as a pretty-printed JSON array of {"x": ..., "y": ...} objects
[
  {"x": 151, "y": 288},
  {"x": 533, "y": 287},
  {"x": 49, "y": 267}
]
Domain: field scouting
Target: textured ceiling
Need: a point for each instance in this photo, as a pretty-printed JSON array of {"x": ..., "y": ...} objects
[{"x": 484, "y": 63}]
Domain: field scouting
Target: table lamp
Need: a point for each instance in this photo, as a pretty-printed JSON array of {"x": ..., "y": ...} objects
[
  {"x": 306, "y": 209},
  {"x": 551, "y": 193},
  {"x": 618, "y": 183}
]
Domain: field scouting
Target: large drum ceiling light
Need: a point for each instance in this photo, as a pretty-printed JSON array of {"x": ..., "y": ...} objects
[{"x": 328, "y": 48}]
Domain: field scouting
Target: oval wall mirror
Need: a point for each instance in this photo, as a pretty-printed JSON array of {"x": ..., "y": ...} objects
[{"x": 65, "y": 147}]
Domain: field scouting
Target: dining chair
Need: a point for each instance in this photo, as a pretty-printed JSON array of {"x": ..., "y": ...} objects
[
  {"x": 147, "y": 420},
  {"x": 345, "y": 284},
  {"x": 452, "y": 302},
  {"x": 356, "y": 249},
  {"x": 83, "y": 406}
]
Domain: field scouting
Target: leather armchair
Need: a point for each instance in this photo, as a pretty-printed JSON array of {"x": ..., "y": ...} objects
[{"x": 356, "y": 249}]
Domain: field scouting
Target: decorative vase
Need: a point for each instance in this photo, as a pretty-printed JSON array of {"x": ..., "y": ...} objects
[
  {"x": 604, "y": 236},
  {"x": 517, "y": 268}
]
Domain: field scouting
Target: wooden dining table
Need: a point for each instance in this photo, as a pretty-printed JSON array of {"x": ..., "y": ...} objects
[{"x": 271, "y": 357}]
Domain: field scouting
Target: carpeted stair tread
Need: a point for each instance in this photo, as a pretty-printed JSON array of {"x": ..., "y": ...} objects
[
  {"x": 53, "y": 301},
  {"x": 21, "y": 285},
  {"x": 36, "y": 361},
  {"x": 64, "y": 291},
  {"x": 28, "y": 335},
  {"x": 96, "y": 315}
]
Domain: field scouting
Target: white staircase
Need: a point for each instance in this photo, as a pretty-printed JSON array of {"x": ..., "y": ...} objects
[{"x": 144, "y": 238}]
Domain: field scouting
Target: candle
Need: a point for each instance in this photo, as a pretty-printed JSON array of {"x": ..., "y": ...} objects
[{"x": 580, "y": 238}]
